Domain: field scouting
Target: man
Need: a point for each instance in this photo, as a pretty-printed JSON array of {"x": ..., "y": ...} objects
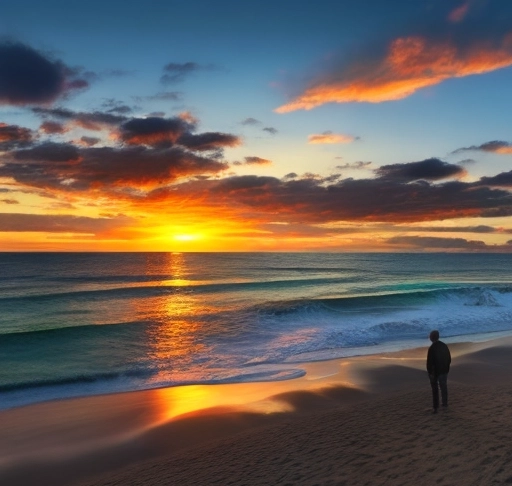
[{"x": 438, "y": 366}]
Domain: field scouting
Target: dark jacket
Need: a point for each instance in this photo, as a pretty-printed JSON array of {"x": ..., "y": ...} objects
[{"x": 438, "y": 359}]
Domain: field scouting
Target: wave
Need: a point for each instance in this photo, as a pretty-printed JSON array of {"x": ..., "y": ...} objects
[
  {"x": 399, "y": 297},
  {"x": 168, "y": 287},
  {"x": 74, "y": 380}
]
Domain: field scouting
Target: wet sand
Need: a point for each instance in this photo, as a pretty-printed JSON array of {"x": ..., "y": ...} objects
[{"x": 354, "y": 421}]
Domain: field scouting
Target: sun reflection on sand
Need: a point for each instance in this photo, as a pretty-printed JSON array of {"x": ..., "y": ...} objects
[{"x": 249, "y": 397}]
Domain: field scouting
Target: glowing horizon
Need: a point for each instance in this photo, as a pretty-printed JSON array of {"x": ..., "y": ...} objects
[{"x": 391, "y": 138}]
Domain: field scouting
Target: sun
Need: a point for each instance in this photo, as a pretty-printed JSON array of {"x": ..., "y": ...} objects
[{"x": 187, "y": 237}]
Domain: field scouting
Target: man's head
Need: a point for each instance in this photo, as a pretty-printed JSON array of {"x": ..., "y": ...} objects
[{"x": 434, "y": 336}]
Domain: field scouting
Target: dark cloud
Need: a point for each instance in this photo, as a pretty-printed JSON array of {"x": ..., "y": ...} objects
[
  {"x": 245, "y": 184},
  {"x": 252, "y": 160},
  {"x": 95, "y": 120},
  {"x": 89, "y": 141},
  {"x": 20, "y": 222},
  {"x": 49, "y": 152},
  {"x": 271, "y": 130},
  {"x": 51, "y": 127},
  {"x": 154, "y": 131},
  {"x": 208, "y": 141},
  {"x": 503, "y": 179},
  {"x": 64, "y": 167},
  {"x": 120, "y": 110},
  {"x": 456, "y": 229},
  {"x": 28, "y": 77},
  {"x": 429, "y": 169},
  {"x": 372, "y": 200},
  {"x": 331, "y": 179},
  {"x": 162, "y": 96},
  {"x": 431, "y": 242},
  {"x": 14, "y": 136},
  {"x": 353, "y": 166},
  {"x": 496, "y": 146},
  {"x": 9, "y": 201},
  {"x": 250, "y": 121},
  {"x": 176, "y": 72}
]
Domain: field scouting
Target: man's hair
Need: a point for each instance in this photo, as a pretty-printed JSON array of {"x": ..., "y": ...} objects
[{"x": 434, "y": 335}]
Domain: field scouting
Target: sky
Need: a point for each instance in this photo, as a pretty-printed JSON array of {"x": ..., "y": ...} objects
[{"x": 256, "y": 126}]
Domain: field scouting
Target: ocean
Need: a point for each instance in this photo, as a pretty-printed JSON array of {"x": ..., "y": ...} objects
[{"x": 78, "y": 324}]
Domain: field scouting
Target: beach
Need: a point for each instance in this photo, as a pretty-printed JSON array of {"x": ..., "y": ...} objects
[{"x": 352, "y": 421}]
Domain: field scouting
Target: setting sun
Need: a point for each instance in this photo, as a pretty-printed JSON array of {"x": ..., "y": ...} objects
[{"x": 187, "y": 237}]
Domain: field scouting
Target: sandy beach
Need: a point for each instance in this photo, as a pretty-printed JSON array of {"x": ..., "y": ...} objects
[{"x": 363, "y": 420}]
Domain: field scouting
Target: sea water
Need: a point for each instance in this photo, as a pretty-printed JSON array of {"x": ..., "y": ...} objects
[{"x": 77, "y": 324}]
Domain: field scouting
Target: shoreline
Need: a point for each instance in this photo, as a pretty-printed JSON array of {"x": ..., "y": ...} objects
[
  {"x": 302, "y": 361},
  {"x": 86, "y": 439}
]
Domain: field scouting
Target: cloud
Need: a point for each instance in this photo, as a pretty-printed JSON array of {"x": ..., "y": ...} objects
[
  {"x": 49, "y": 152},
  {"x": 67, "y": 168},
  {"x": 51, "y": 127},
  {"x": 28, "y": 77},
  {"x": 430, "y": 169},
  {"x": 89, "y": 141},
  {"x": 20, "y": 222},
  {"x": 427, "y": 50},
  {"x": 354, "y": 166},
  {"x": 96, "y": 120},
  {"x": 250, "y": 121},
  {"x": 330, "y": 137},
  {"x": 257, "y": 161},
  {"x": 208, "y": 141},
  {"x": 466, "y": 162},
  {"x": 9, "y": 201},
  {"x": 504, "y": 179},
  {"x": 120, "y": 110},
  {"x": 165, "y": 132},
  {"x": 458, "y": 13},
  {"x": 177, "y": 72},
  {"x": 364, "y": 200},
  {"x": 431, "y": 242},
  {"x": 496, "y": 146},
  {"x": 456, "y": 229},
  {"x": 271, "y": 130},
  {"x": 154, "y": 131},
  {"x": 162, "y": 96},
  {"x": 13, "y": 136}
]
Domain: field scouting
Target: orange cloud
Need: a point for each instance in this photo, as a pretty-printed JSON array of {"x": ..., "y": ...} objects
[
  {"x": 411, "y": 63},
  {"x": 329, "y": 137},
  {"x": 504, "y": 150},
  {"x": 257, "y": 161}
]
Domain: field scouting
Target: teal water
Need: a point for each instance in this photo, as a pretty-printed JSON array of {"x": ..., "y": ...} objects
[{"x": 74, "y": 324}]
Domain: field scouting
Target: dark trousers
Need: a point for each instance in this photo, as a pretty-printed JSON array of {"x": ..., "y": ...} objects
[{"x": 437, "y": 382}]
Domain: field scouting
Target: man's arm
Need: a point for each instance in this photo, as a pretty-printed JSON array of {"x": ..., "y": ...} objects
[{"x": 430, "y": 361}]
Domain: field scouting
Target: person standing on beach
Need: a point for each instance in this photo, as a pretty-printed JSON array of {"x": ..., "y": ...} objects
[{"x": 438, "y": 366}]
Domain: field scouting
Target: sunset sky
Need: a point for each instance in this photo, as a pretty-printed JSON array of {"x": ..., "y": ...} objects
[{"x": 226, "y": 125}]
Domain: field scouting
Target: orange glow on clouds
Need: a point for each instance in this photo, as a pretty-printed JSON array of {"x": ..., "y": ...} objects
[
  {"x": 412, "y": 63},
  {"x": 504, "y": 150},
  {"x": 329, "y": 137}
]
